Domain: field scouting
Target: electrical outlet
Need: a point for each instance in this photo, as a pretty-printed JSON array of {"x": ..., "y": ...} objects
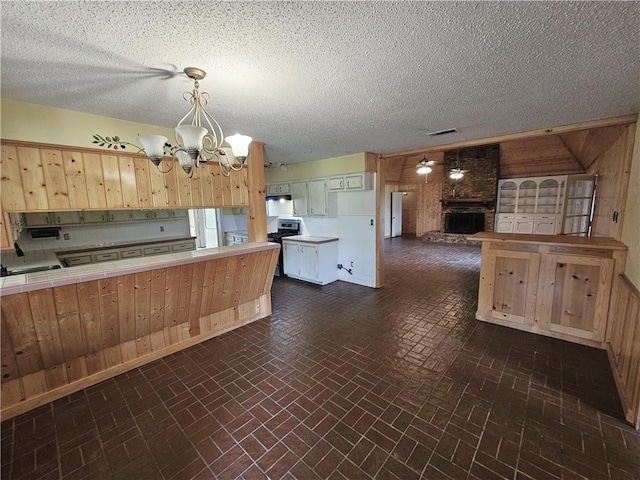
[
  {"x": 161, "y": 228},
  {"x": 351, "y": 264},
  {"x": 372, "y": 222},
  {"x": 66, "y": 236}
]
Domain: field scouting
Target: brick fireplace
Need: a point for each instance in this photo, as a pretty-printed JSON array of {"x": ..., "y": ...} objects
[{"x": 468, "y": 204}]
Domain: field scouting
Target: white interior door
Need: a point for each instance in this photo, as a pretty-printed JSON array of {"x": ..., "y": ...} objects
[{"x": 396, "y": 213}]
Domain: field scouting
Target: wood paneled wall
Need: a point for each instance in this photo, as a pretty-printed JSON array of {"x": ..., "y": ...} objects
[
  {"x": 613, "y": 167},
  {"x": 39, "y": 177},
  {"x": 59, "y": 340},
  {"x": 52, "y": 179},
  {"x": 623, "y": 345}
]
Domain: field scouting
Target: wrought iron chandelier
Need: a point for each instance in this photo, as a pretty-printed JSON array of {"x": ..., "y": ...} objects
[{"x": 197, "y": 144}]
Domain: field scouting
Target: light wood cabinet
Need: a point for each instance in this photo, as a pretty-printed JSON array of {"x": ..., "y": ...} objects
[{"x": 551, "y": 285}]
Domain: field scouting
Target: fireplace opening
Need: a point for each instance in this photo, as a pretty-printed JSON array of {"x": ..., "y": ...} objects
[{"x": 463, "y": 222}]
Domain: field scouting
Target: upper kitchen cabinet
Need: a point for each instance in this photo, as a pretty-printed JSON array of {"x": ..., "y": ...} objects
[
  {"x": 309, "y": 197},
  {"x": 278, "y": 189},
  {"x": 299, "y": 197},
  {"x": 38, "y": 178},
  {"x": 353, "y": 181}
]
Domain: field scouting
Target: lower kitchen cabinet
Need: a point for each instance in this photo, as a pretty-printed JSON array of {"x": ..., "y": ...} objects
[
  {"x": 551, "y": 285},
  {"x": 314, "y": 261}
]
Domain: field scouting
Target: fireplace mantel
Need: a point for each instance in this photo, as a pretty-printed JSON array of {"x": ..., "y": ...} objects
[{"x": 487, "y": 202}]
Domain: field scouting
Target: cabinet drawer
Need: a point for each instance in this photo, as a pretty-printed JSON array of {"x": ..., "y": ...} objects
[
  {"x": 157, "y": 250},
  {"x": 106, "y": 256},
  {"x": 131, "y": 253},
  {"x": 77, "y": 260},
  {"x": 182, "y": 247}
]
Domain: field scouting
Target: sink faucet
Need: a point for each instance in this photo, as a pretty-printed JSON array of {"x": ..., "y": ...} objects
[{"x": 3, "y": 271}]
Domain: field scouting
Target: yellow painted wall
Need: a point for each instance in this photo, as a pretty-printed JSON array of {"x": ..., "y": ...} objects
[
  {"x": 320, "y": 168},
  {"x": 37, "y": 123},
  {"x": 631, "y": 229}
]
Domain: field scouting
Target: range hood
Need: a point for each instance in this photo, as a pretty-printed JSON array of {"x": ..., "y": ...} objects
[{"x": 278, "y": 198}]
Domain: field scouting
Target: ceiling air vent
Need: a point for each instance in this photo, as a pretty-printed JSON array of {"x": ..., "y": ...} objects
[{"x": 442, "y": 132}]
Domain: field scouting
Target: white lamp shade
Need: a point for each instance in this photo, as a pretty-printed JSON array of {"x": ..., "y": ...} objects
[
  {"x": 192, "y": 136},
  {"x": 153, "y": 145},
  {"x": 239, "y": 145},
  {"x": 185, "y": 160}
]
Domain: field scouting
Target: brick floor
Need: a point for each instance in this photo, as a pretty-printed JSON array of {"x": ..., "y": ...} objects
[{"x": 348, "y": 382}]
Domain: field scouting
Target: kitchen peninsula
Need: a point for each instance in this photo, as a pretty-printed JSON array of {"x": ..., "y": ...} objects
[
  {"x": 553, "y": 285},
  {"x": 69, "y": 328}
]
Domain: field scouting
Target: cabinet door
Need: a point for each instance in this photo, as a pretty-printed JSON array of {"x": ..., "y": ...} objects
[
  {"x": 309, "y": 262},
  {"x": 119, "y": 216},
  {"x": 66, "y": 218},
  {"x": 317, "y": 197},
  {"x": 527, "y": 198},
  {"x": 299, "y": 197},
  {"x": 141, "y": 215},
  {"x": 354, "y": 182},
  {"x": 507, "y": 193},
  {"x": 291, "y": 258},
  {"x": 548, "y": 196},
  {"x": 523, "y": 224},
  {"x": 544, "y": 226},
  {"x": 504, "y": 223},
  {"x": 574, "y": 292},
  {"x": 507, "y": 293},
  {"x": 94, "y": 216},
  {"x": 37, "y": 219},
  {"x": 335, "y": 183}
]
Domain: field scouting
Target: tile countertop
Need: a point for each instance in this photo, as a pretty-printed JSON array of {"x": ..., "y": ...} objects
[
  {"x": 35, "y": 258},
  {"x": 309, "y": 239},
  {"x": 97, "y": 271},
  {"x": 43, "y": 258}
]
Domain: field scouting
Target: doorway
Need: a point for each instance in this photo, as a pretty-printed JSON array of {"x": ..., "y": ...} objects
[{"x": 396, "y": 213}]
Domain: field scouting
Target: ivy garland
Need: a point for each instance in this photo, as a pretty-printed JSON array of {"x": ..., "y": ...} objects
[{"x": 117, "y": 144}]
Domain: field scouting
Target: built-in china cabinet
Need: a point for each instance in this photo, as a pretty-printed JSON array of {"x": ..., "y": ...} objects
[{"x": 545, "y": 205}]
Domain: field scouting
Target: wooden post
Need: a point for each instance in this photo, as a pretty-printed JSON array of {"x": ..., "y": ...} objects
[{"x": 256, "y": 211}]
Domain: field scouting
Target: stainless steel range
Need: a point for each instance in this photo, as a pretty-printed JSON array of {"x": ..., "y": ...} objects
[{"x": 286, "y": 228}]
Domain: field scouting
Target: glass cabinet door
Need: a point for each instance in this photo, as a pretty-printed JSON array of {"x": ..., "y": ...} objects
[
  {"x": 578, "y": 205},
  {"x": 548, "y": 196},
  {"x": 527, "y": 193},
  {"x": 508, "y": 194}
]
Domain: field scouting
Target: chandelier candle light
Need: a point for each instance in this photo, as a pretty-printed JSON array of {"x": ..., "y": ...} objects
[{"x": 197, "y": 144}]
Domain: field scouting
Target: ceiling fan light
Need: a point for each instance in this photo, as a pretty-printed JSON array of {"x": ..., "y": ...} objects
[
  {"x": 153, "y": 146},
  {"x": 456, "y": 174},
  {"x": 239, "y": 146},
  {"x": 424, "y": 170}
]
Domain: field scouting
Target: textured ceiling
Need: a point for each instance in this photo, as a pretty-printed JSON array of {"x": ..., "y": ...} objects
[{"x": 321, "y": 79}]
